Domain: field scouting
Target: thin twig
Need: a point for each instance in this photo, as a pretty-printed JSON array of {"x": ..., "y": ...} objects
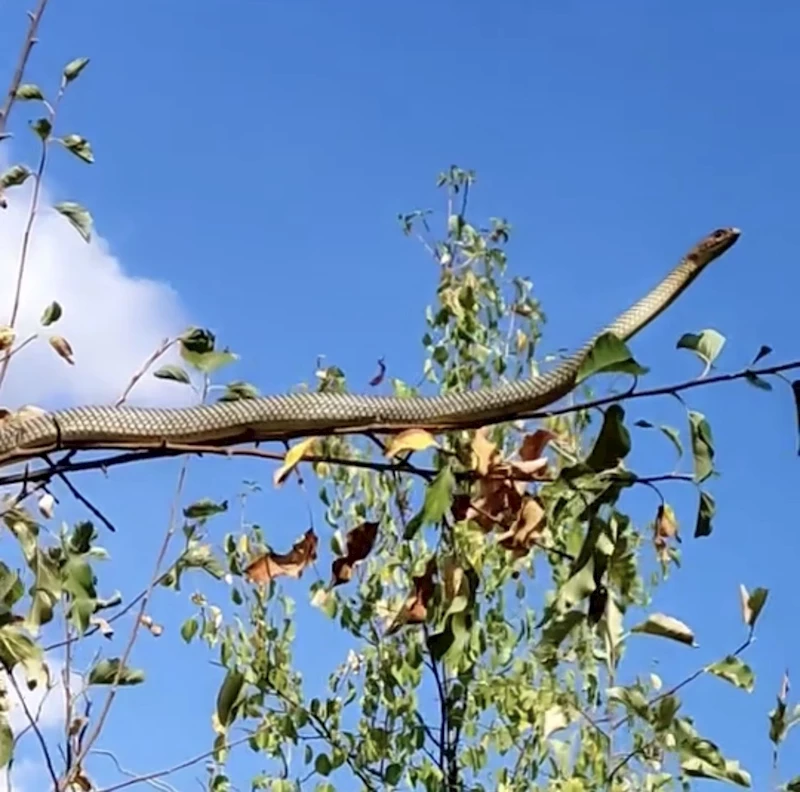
[
  {"x": 80, "y": 497},
  {"x": 670, "y": 692},
  {"x": 134, "y": 633},
  {"x": 162, "y": 348},
  {"x": 35, "y": 726},
  {"x": 22, "y": 62},
  {"x": 174, "y": 769}
]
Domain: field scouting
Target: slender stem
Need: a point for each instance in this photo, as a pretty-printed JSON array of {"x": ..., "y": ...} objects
[
  {"x": 35, "y": 726},
  {"x": 22, "y": 62},
  {"x": 141, "y": 779},
  {"x": 134, "y": 633}
]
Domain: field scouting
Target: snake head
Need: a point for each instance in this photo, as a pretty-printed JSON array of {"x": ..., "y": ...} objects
[{"x": 715, "y": 244}]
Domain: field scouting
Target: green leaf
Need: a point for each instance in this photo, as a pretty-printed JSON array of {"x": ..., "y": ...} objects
[
  {"x": 235, "y": 391},
  {"x": 209, "y": 362},
  {"x": 702, "y": 446},
  {"x": 79, "y": 146},
  {"x": 6, "y": 741},
  {"x": 613, "y": 443},
  {"x": 204, "y": 508},
  {"x": 793, "y": 785},
  {"x": 763, "y": 352},
  {"x": 609, "y": 354},
  {"x": 174, "y": 373},
  {"x": 42, "y": 127},
  {"x": 707, "y": 344},
  {"x": 74, "y": 68},
  {"x": 665, "y": 627},
  {"x": 796, "y": 394},
  {"x": 393, "y": 774},
  {"x": 734, "y": 671},
  {"x": 28, "y": 91},
  {"x": 51, "y": 314},
  {"x": 757, "y": 381},
  {"x": 228, "y": 696},
  {"x": 438, "y": 497},
  {"x": 79, "y": 217},
  {"x": 16, "y": 647},
  {"x": 105, "y": 672},
  {"x": 197, "y": 340},
  {"x": 706, "y": 510},
  {"x": 189, "y": 629},
  {"x": 559, "y": 628},
  {"x": 673, "y": 435},
  {"x": 322, "y": 764},
  {"x": 698, "y": 767},
  {"x": 14, "y": 176}
]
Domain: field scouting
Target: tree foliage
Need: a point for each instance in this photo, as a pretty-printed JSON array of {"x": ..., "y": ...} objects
[{"x": 488, "y": 583}]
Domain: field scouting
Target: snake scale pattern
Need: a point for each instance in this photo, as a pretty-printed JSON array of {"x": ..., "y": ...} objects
[{"x": 305, "y": 414}]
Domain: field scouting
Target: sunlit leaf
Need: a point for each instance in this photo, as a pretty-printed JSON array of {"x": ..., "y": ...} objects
[
  {"x": 74, "y": 68},
  {"x": 707, "y": 344},
  {"x": 665, "y": 627},
  {"x": 293, "y": 458},
  {"x": 105, "y": 672},
  {"x": 173, "y": 373},
  {"x": 609, "y": 354},
  {"x": 733, "y": 670},
  {"x": 78, "y": 216},
  {"x": 410, "y": 440},
  {"x": 702, "y": 446}
]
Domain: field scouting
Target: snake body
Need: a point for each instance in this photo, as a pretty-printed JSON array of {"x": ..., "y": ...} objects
[{"x": 305, "y": 414}]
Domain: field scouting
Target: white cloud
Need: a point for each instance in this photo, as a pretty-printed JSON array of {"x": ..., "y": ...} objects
[
  {"x": 26, "y": 774},
  {"x": 112, "y": 320}
]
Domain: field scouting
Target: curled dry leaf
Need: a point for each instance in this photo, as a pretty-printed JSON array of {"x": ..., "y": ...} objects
[
  {"x": 664, "y": 529},
  {"x": 292, "y": 564},
  {"x": 105, "y": 628},
  {"x": 378, "y": 378},
  {"x": 358, "y": 545},
  {"x": 484, "y": 452},
  {"x": 410, "y": 440},
  {"x": 533, "y": 445},
  {"x": 415, "y": 609},
  {"x": 62, "y": 347},
  {"x": 527, "y": 528},
  {"x": 292, "y": 459},
  {"x": 7, "y": 336}
]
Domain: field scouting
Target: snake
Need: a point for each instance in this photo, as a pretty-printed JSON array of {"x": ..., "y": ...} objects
[{"x": 305, "y": 414}]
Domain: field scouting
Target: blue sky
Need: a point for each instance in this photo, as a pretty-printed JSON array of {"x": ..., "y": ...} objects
[{"x": 254, "y": 155}]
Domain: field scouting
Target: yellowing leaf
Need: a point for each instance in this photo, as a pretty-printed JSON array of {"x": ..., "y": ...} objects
[
  {"x": 410, "y": 440},
  {"x": 752, "y": 604},
  {"x": 62, "y": 347},
  {"x": 292, "y": 459},
  {"x": 7, "y": 336},
  {"x": 484, "y": 452}
]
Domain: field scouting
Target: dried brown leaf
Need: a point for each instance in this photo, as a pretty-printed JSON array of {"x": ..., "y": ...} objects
[
  {"x": 534, "y": 444},
  {"x": 485, "y": 454},
  {"x": 7, "y": 336},
  {"x": 527, "y": 529},
  {"x": 415, "y": 609},
  {"x": 358, "y": 545},
  {"x": 272, "y": 565},
  {"x": 62, "y": 347}
]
